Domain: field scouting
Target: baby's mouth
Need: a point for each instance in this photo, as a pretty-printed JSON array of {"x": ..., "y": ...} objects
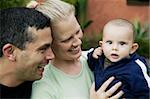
[{"x": 115, "y": 56}]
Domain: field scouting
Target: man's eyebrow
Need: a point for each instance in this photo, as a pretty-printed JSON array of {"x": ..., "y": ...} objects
[{"x": 44, "y": 46}]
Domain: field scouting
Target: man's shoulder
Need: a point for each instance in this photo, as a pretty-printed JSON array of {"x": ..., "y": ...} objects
[{"x": 19, "y": 92}]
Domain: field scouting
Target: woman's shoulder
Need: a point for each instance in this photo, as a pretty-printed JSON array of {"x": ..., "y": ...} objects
[{"x": 43, "y": 89}]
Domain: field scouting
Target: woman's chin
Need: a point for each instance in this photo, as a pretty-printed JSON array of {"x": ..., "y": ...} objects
[{"x": 77, "y": 55}]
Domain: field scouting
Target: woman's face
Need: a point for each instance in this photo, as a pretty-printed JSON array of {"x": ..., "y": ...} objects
[{"x": 67, "y": 42}]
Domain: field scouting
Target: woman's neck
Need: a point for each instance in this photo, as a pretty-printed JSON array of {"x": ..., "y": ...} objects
[{"x": 71, "y": 67}]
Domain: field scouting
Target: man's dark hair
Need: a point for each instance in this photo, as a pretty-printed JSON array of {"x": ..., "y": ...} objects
[{"x": 14, "y": 24}]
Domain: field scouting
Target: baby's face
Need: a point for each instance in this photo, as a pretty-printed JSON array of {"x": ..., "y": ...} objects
[{"x": 117, "y": 42}]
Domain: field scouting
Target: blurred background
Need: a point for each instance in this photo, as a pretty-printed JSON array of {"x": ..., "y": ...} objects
[{"x": 93, "y": 14}]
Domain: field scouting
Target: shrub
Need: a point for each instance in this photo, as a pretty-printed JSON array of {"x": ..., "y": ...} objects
[
  {"x": 142, "y": 38},
  {"x": 12, "y": 3}
]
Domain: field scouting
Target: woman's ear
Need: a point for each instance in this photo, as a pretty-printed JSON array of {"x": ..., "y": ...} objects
[
  {"x": 8, "y": 52},
  {"x": 135, "y": 46},
  {"x": 100, "y": 43}
]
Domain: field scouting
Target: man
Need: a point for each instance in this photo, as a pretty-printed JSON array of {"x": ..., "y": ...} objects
[{"x": 25, "y": 48}]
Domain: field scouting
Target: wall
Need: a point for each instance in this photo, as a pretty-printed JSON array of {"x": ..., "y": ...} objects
[{"x": 101, "y": 11}]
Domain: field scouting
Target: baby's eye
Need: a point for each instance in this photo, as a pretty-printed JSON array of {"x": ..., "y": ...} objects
[
  {"x": 109, "y": 42},
  {"x": 122, "y": 43}
]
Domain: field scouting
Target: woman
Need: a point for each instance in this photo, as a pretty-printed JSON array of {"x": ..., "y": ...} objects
[{"x": 67, "y": 76}]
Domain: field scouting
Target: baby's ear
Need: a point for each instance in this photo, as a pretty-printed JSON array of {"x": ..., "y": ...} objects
[
  {"x": 100, "y": 43},
  {"x": 135, "y": 46}
]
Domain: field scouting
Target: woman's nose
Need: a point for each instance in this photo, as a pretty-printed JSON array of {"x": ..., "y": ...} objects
[{"x": 77, "y": 41}]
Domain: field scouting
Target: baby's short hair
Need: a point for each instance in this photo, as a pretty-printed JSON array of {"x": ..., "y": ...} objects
[{"x": 121, "y": 23}]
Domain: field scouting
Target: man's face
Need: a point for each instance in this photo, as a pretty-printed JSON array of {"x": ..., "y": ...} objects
[{"x": 31, "y": 61}]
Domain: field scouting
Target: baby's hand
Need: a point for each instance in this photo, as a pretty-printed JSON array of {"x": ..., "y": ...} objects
[{"x": 97, "y": 52}]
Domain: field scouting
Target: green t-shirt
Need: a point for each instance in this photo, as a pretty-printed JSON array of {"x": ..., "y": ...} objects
[{"x": 55, "y": 84}]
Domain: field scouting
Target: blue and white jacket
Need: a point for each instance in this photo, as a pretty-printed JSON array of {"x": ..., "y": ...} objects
[{"x": 132, "y": 72}]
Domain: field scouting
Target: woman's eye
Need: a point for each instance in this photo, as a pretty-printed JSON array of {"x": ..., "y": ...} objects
[{"x": 67, "y": 40}]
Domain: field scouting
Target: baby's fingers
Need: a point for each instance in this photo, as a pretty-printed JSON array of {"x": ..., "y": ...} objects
[{"x": 97, "y": 52}]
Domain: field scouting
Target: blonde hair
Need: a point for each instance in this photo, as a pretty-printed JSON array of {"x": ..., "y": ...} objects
[{"x": 56, "y": 10}]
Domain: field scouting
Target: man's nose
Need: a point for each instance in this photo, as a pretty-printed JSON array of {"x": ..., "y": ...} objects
[{"x": 49, "y": 54}]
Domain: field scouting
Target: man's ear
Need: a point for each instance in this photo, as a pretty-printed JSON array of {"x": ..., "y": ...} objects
[
  {"x": 8, "y": 52},
  {"x": 135, "y": 46},
  {"x": 100, "y": 43}
]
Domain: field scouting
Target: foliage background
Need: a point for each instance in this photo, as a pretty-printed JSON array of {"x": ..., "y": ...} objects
[{"x": 12, "y": 3}]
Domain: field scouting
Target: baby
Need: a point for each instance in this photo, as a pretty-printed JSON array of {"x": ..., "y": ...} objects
[{"x": 116, "y": 57}]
